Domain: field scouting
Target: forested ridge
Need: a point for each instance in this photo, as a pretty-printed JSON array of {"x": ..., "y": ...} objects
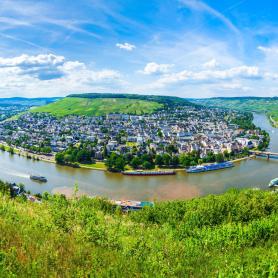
[{"x": 229, "y": 235}]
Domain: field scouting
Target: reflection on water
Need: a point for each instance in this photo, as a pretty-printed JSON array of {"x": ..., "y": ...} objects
[{"x": 251, "y": 173}]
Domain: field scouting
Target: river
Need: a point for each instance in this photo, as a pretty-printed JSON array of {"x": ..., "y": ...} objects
[{"x": 250, "y": 173}]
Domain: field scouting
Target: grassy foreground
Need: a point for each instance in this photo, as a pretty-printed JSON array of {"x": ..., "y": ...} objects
[
  {"x": 98, "y": 107},
  {"x": 230, "y": 235}
]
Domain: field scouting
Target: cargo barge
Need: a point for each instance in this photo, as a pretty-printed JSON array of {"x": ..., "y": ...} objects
[
  {"x": 149, "y": 173},
  {"x": 210, "y": 167}
]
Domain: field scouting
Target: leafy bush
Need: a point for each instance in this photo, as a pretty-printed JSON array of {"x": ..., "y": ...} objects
[{"x": 234, "y": 234}]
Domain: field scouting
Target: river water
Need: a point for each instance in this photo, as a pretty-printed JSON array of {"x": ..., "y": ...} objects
[{"x": 250, "y": 173}]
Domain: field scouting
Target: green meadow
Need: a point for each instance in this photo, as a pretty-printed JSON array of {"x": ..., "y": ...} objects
[{"x": 98, "y": 107}]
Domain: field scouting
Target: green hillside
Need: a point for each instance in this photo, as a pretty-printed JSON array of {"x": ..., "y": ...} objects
[
  {"x": 231, "y": 235},
  {"x": 99, "y": 106},
  {"x": 251, "y": 104},
  {"x": 168, "y": 101}
]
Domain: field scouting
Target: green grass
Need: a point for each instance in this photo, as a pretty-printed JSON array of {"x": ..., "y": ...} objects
[
  {"x": 98, "y": 107},
  {"x": 252, "y": 104},
  {"x": 230, "y": 235},
  {"x": 98, "y": 165},
  {"x": 131, "y": 144}
]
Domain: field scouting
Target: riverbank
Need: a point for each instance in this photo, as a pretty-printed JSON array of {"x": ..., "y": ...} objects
[
  {"x": 273, "y": 122},
  {"x": 97, "y": 166},
  {"x": 100, "y": 166},
  {"x": 25, "y": 153}
]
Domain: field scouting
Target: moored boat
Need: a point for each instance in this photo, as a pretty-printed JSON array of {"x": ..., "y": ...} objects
[
  {"x": 132, "y": 205},
  {"x": 149, "y": 173},
  {"x": 196, "y": 169},
  {"x": 210, "y": 167},
  {"x": 273, "y": 183},
  {"x": 38, "y": 178}
]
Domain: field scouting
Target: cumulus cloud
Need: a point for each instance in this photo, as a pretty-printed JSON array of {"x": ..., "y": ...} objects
[
  {"x": 126, "y": 46},
  {"x": 44, "y": 66},
  {"x": 49, "y": 74},
  {"x": 233, "y": 86},
  {"x": 26, "y": 60},
  {"x": 208, "y": 76},
  {"x": 154, "y": 68},
  {"x": 211, "y": 64}
]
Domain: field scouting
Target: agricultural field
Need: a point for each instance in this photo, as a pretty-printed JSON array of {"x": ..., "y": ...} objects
[
  {"x": 230, "y": 235},
  {"x": 250, "y": 104},
  {"x": 99, "y": 106}
]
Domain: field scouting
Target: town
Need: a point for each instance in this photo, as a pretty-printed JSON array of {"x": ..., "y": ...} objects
[
  {"x": 7, "y": 111},
  {"x": 170, "y": 132}
]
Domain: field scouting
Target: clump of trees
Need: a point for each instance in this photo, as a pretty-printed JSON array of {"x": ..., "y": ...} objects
[
  {"x": 266, "y": 139},
  {"x": 82, "y": 153},
  {"x": 244, "y": 120},
  {"x": 117, "y": 162}
]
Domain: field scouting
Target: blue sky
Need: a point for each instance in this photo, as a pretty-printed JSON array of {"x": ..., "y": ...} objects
[{"x": 188, "y": 48}]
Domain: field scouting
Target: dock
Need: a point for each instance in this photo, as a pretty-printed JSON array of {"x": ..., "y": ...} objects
[{"x": 268, "y": 155}]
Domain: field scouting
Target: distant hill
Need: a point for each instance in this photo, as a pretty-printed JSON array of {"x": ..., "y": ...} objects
[
  {"x": 101, "y": 104},
  {"x": 252, "y": 104},
  {"x": 26, "y": 101}
]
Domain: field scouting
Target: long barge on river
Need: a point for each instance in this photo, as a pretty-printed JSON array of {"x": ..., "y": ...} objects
[
  {"x": 149, "y": 173},
  {"x": 210, "y": 167}
]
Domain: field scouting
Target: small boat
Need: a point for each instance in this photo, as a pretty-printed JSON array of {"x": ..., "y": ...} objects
[
  {"x": 127, "y": 205},
  {"x": 210, "y": 167},
  {"x": 38, "y": 178},
  {"x": 273, "y": 183}
]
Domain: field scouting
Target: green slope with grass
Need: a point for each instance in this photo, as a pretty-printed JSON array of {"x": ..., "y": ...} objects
[
  {"x": 98, "y": 107},
  {"x": 230, "y": 235},
  {"x": 249, "y": 104}
]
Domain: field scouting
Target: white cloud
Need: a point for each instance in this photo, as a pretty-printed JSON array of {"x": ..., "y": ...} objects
[
  {"x": 211, "y": 64},
  {"x": 126, "y": 46},
  {"x": 268, "y": 50},
  {"x": 271, "y": 76},
  {"x": 154, "y": 68},
  {"x": 51, "y": 75},
  {"x": 233, "y": 86},
  {"x": 26, "y": 60},
  {"x": 269, "y": 61},
  {"x": 244, "y": 72},
  {"x": 44, "y": 66}
]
